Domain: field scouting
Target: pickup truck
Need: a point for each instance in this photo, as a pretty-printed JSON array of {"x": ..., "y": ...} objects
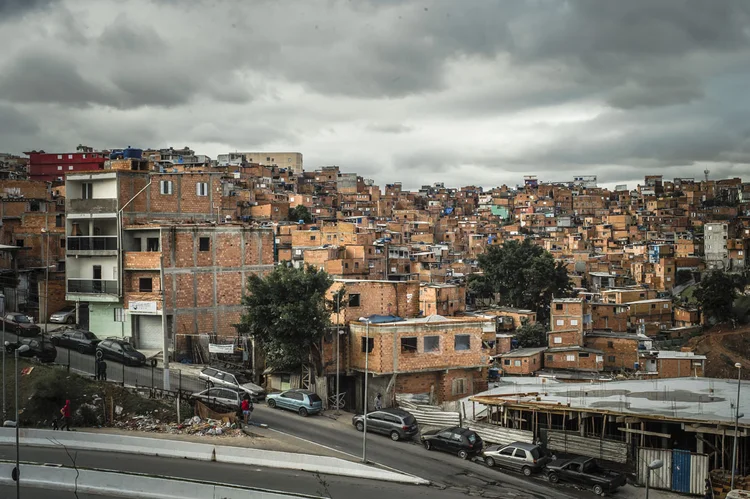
[{"x": 585, "y": 472}]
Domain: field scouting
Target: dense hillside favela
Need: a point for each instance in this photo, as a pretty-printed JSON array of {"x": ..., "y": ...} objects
[{"x": 446, "y": 289}]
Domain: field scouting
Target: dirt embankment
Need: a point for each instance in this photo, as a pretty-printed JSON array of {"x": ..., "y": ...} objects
[{"x": 723, "y": 347}]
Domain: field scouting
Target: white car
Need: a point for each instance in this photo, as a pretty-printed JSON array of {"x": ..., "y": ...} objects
[{"x": 218, "y": 378}]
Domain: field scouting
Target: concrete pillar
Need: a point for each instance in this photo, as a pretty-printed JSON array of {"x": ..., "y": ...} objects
[{"x": 699, "y": 443}]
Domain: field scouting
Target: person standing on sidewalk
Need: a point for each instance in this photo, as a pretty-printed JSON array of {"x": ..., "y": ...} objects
[
  {"x": 247, "y": 408},
  {"x": 378, "y": 402},
  {"x": 65, "y": 411}
]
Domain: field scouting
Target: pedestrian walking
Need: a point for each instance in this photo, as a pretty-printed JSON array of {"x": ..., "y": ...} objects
[
  {"x": 378, "y": 402},
  {"x": 102, "y": 372},
  {"x": 65, "y": 411},
  {"x": 247, "y": 408}
]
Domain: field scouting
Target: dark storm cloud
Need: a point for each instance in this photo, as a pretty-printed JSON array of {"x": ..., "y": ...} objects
[
  {"x": 13, "y": 122},
  {"x": 46, "y": 77},
  {"x": 13, "y": 8}
]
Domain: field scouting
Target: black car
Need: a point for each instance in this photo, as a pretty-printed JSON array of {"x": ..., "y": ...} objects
[
  {"x": 44, "y": 351},
  {"x": 455, "y": 440},
  {"x": 397, "y": 423},
  {"x": 121, "y": 351},
  {"x": 21, "y": 325},
  {"x": 76, "y": 339},
  {"x": 584, "y": 471}
]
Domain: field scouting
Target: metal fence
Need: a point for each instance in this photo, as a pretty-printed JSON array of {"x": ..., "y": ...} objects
[{"x": 148, "y": 377}]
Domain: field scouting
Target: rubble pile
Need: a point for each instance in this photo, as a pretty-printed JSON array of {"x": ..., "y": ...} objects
[{"x": 190, "y": 426}]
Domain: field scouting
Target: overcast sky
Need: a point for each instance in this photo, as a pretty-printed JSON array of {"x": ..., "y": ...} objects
[{"x": 457, "y": 91}]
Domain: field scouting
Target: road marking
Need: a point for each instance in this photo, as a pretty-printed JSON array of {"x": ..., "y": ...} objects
[{"x": 389, "y": 468}]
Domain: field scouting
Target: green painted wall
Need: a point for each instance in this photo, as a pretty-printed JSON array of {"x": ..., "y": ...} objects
[{"x": 102, "y": 320}]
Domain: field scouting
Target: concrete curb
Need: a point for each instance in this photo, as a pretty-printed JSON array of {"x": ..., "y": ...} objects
[
  {"x": 129, "y": 485},
  {"x": 203, "y": 452}
]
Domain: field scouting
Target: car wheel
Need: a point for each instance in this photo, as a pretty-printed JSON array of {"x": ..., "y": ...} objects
[
  {"x": 395, "y": 436},
  {"x": 272, "y": 403},
  {"x": 526, "y": 471},
  {"x": 463, "y": 454},
  {"x": 303, "y": 412},
  {"x": 70, "y": 320},
  {"x": 489, "y": 462},
  {"x": 553, "y": 478},
  {"x": 598, "y": 490},
  {"x": 360, "y": 426},
  {"x": 81, "y": 349},
  {"x": 427, "y": 445}
]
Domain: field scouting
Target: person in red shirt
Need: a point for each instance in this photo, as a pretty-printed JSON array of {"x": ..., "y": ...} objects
[
  {"x": 247, "y": 408},
  {"x": 65, "y": 411}
]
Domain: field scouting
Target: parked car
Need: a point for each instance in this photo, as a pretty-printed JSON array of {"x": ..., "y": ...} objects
[
  {"x": 44, "y": 351},
  {"x": 518, "y": 456},
  {"x": 397, "y": 423},
  {"x": 225, "y": 398},
  {"x": 585, "y": 472},
  {"x": 21, "y": 324},
  {"x": 217, "y": 377},
  {"x": 302, "y": 401},
  {"x": 77, "y": 339},
  {"x": 455, "y": 440},
  {"x": 121, "y": 351},
  {"x": 66, "y": 315}
]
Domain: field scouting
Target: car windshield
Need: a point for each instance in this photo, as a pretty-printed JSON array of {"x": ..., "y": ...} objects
[
  {"x": 472, "y": 438},
  {"x": 409, "y": 420},
  {"x": 21, "y": 319},
  {"x": 535, "y": 453},
  {"x": 89, "y": 335},
  {"x": 127, "y": 347},
  {"x": 241, "y": 379},
  {"x": 314, "y": 398}
]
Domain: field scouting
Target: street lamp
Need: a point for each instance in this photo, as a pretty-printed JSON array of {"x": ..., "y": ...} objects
[
  {"x": 20, "y": 349},
  {"x": 366, "y": 320},
  {"x": 338, "y": 334},
  {"x": 654, "y": 465},
  {"x": 736, "y": 422}
]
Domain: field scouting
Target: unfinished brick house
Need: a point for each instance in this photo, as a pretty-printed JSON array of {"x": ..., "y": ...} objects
[
  {"x": 438, "y": 356},
  {"x": 570, "y": 321},
  {"x": 523, "y": 361},
  {"x": 443, "y": 299}
]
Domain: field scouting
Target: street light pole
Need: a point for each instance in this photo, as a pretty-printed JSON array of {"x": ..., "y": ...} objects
[
  {"x": 338, "y": 322},
  {"x": 3, "y": 343},
  {"x": 364, "y": 418},
  {"x": 20, "y": 349},
  {"x": 736, "y": 422},
  {"x": 654, "y": 465},
  {"x": 46, "y": 287}
]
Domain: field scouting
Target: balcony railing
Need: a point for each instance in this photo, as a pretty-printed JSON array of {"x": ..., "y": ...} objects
[
  {"x": 92, "y": 243},
  {"x": 92, "y": 286}
]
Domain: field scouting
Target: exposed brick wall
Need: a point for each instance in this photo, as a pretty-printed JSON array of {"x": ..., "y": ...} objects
[
  {"x": 387, "y": 340},
  {"x": 619, "y": 353},
  {"x": 567, "y": 338},
  {"x": 609, "y": 316},
  {"x": 206, "y": 298},
  {"x": 559, "y": 360},
  {"x": 379, "y": 297},
  {"x": 678, "y": 368},
  {"x": 521, "y": 365}
]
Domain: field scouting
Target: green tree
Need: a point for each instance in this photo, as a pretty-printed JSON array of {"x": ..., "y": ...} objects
[
  {"x": 523, "y": 274},
  {"x": 716, "y": 294},
  {"x": 287, "y": 314},
  {"x": 531, "y": 335},
  {"x": 300, "y": 212}
]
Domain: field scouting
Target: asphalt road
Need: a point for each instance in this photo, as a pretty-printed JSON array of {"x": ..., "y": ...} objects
[
  {"x": 446, "y": 471},
  {"x": 274, "y": 479}
]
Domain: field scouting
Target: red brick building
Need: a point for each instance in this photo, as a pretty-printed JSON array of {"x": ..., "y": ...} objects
[
  {"x": 442, "y": 357},
  {"x": 51, "y": 167},
  {"x": 522, "y": 361}
]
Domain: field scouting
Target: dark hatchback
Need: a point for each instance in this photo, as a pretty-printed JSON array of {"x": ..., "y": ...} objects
[
  {"x": 454, "y": 440},
  {"x": 396, "y": 423},
  {"x": 44, "y": 351},
  {"x": 77, "y": 339},
  {"x": 21, "y": 325},
  {"x": 121, "y": 351}
]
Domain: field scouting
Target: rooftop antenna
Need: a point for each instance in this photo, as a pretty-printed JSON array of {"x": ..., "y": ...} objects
[{"x": 706, "y": 172}]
